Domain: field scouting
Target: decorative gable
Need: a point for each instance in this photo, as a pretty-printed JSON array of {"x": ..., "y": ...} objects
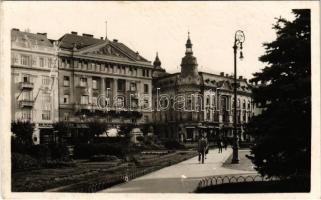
[{"x": 107, "y": 50}]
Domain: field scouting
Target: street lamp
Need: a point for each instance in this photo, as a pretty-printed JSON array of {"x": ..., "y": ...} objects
[{"x": 239, "y": 39}]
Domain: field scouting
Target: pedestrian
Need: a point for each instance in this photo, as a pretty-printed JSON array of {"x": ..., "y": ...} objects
[
  {"x": 225, "y": 143},
  {"x": 220, "y": 145},
  {"x": 202, "y": 143}
]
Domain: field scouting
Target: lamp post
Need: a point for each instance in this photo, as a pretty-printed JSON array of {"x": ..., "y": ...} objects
[{"x": 239, "y": 39}]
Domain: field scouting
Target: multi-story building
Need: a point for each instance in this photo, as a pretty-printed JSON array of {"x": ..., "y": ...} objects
[
  {"x": 34, "y": 85},
  {"x": 97, "y": 75},
  {"x": 191, "y": 102}
]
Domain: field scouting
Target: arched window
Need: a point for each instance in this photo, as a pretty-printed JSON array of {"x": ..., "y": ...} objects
[
  {"x": 249, "y": 105},
  {"x": 244, "y": 104}
]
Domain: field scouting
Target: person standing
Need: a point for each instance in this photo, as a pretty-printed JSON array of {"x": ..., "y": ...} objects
[
  {"x": 220, "y": 145},
  {"x": 202, "y": 143}
]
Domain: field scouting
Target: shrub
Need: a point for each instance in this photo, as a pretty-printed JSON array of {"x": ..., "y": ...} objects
[
  {"x": 57, "y": 164},
  {"x": 89, "y": 150},
  {"x": 39, "y": 151},
  {"x": 100, "y": 158},
  {"x": 59, "y": 152},
  {"x": 23, "y": 162},
  {"x": 173, "y": 144}
]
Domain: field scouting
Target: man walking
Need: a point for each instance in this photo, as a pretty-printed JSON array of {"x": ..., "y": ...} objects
[
  {"x": 220, "y": 145},
  {"x": 202, "y": 145}
]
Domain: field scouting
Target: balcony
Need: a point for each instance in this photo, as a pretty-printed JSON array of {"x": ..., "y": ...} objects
[
  {"x": 26, "y": 85},
  {"x": 26, "y": 103}
]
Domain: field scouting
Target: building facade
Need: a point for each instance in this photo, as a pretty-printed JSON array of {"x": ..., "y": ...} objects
[
  {"x": 102, "y": 79},
  {"x": 189, "y": 103},
  {"x": 34, "y": 83}
]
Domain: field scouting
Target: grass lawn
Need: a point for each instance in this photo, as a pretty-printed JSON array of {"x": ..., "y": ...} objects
[
  {"x": 244, "y": 162},
  {"x": 45, "y": 179}
]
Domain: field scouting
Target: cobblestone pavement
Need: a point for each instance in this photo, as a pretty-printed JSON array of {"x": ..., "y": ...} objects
[{"x": 179, "y": 178}]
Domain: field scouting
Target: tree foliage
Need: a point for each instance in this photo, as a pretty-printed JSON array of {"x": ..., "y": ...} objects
[
  {"x": 282, "y": 132},
  {"x": 96, "y": 128},
  {"x": 23, "y": 131}
]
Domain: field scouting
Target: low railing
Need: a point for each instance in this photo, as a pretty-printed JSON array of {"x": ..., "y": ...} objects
[{"x": 217, "y": 180}]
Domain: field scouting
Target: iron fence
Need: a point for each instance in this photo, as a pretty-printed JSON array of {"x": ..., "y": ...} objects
[{"x": 217, "y": 180}]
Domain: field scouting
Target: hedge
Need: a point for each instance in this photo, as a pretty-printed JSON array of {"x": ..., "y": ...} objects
[{"x": 86, "y": 151}]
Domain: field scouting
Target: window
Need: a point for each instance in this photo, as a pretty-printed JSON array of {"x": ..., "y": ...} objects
[
  {"x": 45, "y": 115},
  {"x": 26, "y": 79},
  {"x": 238, "y": 103},
  {"x": 146, "y": 119},
  {"x": 94, "y": 100},
  {"x": 95, "y": 84},
  {"x": 49, "y": 62},
  {"x": 147, "y": 73},
  {"x": 146, "y": 103},
  {"x": 131, "y": 72},
  {"x": 24, "y": 60},
  {"x": 83, "y": 82},
  {"x": 208, "y": 114},
  {"x": 146, "y": 88},
  {"x": 132, "y": 86},
  {"x": 45, "y": 80},
  {"x": 66, "y": 81},
  {"x": 143, "y": 72},
  {"x": 121, "y": 85},
  {"x": 84, "y": 100},
  {"x": 249, "y": 105},
  {"x": 41, "y": 62},
  {"x": 208, "y": 100},
  {"x": 27, "y": 95},
  {"x": 66, "y": 116},
  {"x": 124, "y": 70},
  {"x": 66, "y": 98},
  {"x": 244, "y": 104},
  {"x": 26, "y": 114}
]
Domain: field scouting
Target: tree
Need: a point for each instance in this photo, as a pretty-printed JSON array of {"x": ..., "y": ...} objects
[
  {"x": 282, "y": 132},
  {"x": 96, "y": 128},
  {"x": 23, "y": 131},
  {"x": 61, "y": 129}
]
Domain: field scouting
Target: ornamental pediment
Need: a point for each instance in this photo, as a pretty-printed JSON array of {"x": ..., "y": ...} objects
[{"x": 106, "y": 50}]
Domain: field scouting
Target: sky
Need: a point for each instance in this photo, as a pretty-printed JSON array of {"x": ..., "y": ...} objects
[{"x": 150, "y": 27}]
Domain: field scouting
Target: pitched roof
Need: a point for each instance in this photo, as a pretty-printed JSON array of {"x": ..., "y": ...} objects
[
  {"x": 39, "y": 39},
  {"x": 68, "y": 41}
]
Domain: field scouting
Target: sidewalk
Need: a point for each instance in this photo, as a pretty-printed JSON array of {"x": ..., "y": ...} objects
[{"x": 180, "y": 178}]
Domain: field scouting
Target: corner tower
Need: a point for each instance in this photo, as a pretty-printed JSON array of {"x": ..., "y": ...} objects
[{"x": 189, "y": 62}]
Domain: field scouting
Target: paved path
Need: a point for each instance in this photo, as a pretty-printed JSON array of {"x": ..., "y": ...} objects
[{"x": 180, "y": 178}]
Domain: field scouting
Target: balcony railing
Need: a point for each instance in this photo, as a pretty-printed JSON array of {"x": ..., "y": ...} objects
[
  {"x": 26, "y": 103},
  {"x": 26, "y": 85}
]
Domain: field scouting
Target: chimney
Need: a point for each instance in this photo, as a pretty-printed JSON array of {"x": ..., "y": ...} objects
[
  {"x": 222, "y": 73},
  {"x": 87, "y": 35},
  {"x": 245, "y": 80},
  {"x": 102, "y": 38},
  {"x": 226, "y": 75},
  {"x": 45, "y": 34},
  {"x": 74, "y": 33},
  {"x": 115, "y": 40},
  {"x": 15, "y": 29},
  {"x": 241, "y": 77}
]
